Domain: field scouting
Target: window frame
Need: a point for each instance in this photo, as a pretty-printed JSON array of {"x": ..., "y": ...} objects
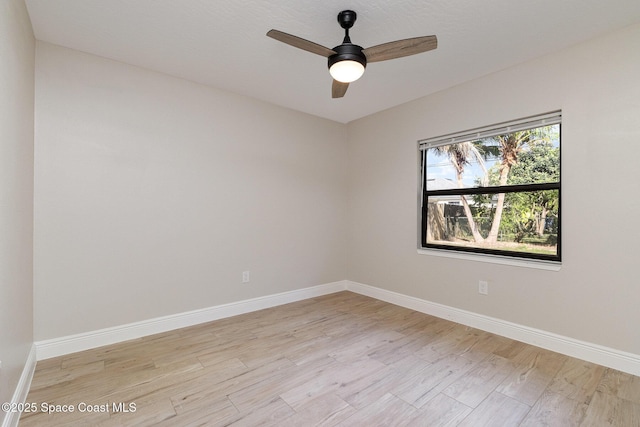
[{"x": 503, "y": 256}]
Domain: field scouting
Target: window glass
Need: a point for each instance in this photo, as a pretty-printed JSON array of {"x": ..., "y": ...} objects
[{"x": 498, "y": 194}]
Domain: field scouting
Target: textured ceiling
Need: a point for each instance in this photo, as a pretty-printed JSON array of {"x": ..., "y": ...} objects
[{"x": 223, "y": 43}]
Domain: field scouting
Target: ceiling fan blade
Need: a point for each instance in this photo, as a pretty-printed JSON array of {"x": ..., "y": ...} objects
[
  {"x": 400, "y": 48},
  {"x": 338, "y": 89},
  {"x": 300, "y": 43}
]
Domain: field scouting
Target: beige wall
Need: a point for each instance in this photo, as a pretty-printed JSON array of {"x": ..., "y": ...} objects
[
  {"x": 153, "y": 194},
  {"x": 17, "y": 55},
  {"x": 594, "y": 297}
]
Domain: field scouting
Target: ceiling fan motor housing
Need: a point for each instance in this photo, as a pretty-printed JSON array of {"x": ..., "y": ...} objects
[{"x": 348, "y": 52}]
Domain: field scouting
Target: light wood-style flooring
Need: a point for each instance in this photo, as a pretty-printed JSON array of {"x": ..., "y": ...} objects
[{"x": 337, "y": 360}]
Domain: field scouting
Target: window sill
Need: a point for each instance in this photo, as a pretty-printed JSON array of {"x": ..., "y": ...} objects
[{"x": 494, "y": 259}]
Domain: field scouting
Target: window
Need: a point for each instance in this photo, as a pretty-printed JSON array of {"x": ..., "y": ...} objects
[{"x": 494, "y": 190}]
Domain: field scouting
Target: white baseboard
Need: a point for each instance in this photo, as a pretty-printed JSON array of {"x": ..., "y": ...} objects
[
  {"x": 72, "y": 343},
  {"x": 22, "y": 389},
  {"x": 626, "y": 362},
  {"x": 612, "y": 358}
]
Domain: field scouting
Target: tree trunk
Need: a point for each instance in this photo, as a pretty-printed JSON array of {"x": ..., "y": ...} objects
[
  {"x": 497, "y": 217},
  {"x": 477, "y": 237},
  {"x": 436, "y": 231},
  {"x": 543, "y": 221}
]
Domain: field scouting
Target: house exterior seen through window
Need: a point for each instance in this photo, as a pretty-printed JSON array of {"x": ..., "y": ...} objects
[{"x": 494, "y": 190}]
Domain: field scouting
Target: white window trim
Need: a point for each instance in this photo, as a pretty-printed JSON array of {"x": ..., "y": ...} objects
[{"x": 493, "y": 259}]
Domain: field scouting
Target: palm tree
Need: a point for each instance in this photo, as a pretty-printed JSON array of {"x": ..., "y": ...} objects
[
  {"x": 461, "y": 155},
  {"x": 510, "y": 145}
]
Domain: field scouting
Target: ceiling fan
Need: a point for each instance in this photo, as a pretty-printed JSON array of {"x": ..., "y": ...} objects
[{"x": 348, "y": 61}]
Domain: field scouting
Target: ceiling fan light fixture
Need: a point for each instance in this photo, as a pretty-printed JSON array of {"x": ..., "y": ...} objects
[
  {"x": 348, "y": 63},
  {"x": 346, "y": 71}
]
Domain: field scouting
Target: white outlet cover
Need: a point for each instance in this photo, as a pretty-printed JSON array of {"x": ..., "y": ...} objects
[{"x": 483, "y": 287}]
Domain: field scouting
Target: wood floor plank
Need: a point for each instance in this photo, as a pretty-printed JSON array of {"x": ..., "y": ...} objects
[
  {"x": 608, "y": 410},
  {"x": 555, "y": 410},
  {"x": 531, "y": 376},
  {"x": 151, "y": 413},
  {"x": 326, "y": 410},
  {"x": 368, "y": 389},
  {"x": 441, "y": 411},
  {"x": 497, "y": 410},
  {"x": 216, "y": 408},
  {"x": 341, "y": 359},
  {"x": 196, "y": 392},
  {"x": 388, "y": 411},
  {"x": 63, "y": 419},
  {"x": 577, "y": 380},
  {"x": 478, "y": 383},
  {"x": 464, "y": 341},
  {"x": 422, "y": 381},
  {"x": 620, "y": 384},
  {"x": 49, "y": 378},
  {"x": 310, "y": 348},
  {"x": 511, "y": 349},
  {"x": 444, "y": 344},
  {"x": 366, "y": 345},
  {"x": 399, "y": 348},
  {"x": 336, "y": 376}
]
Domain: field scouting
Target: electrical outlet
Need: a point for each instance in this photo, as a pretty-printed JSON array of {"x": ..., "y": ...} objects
[
  {"x": 483, "y": 287},
  {"x": 246, "y": 276}
]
